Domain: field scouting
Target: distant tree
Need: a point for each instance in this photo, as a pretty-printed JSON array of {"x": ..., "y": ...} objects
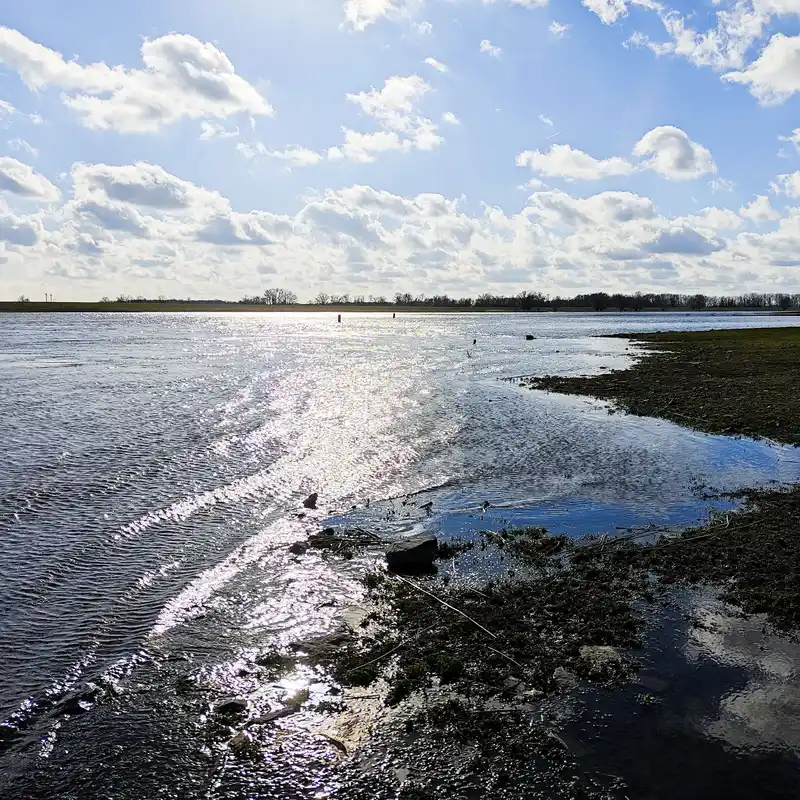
[
  {"x": 279, "y": 297},
  {"x": 322, "y": 299},
  {"x": 403, "y": 299},
  {"x": 697, "y": 302},
  {"x": 785, "y": 302},
  {"x": 23, "y": 299},
  {"x": 105, "y": 299}
]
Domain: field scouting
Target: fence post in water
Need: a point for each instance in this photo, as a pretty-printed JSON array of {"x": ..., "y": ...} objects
[{"x": 340, "y": 318}]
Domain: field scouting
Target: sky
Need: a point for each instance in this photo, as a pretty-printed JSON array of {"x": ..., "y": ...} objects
[{"x": 211, "y": 150}]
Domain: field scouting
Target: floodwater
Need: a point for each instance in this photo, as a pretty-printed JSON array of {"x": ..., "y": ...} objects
[{"x": 152, "y": 473}]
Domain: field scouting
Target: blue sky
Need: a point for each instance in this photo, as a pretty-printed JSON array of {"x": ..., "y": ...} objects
[{"x": 209, "y": 149}]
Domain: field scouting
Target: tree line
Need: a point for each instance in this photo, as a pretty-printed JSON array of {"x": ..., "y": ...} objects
[
  {"x": 533, "y": 301},
  {"x": 523, "y": 301}
]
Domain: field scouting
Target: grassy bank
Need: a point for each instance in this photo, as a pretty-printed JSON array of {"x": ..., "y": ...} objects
[{"x": 729, "y": 382}]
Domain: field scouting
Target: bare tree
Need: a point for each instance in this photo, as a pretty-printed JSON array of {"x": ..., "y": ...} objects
[
  {"x": 23, "y": 299},
  {"x": 322, "y": 299},
  {"x": 279, "y": 297}
]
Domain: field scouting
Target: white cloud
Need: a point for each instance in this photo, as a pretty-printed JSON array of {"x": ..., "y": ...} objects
[
  {"x": 793, "y": 137},
  {"x": 213, "y": 130},
  {"x": 6, "y": 109},
  {"x": 437, "y": 65},
  {"x": 182, "y": 77},
  {"x": 523, "y": 3},
  {"x": 133, "y": 226},
  {"x": 673, "y": 154},
  {"x": 546, "y": 120},
  {"x": 19, "y": 179},
  {"x": 360, "y": 14},
  {"x": 395, "y": 108},
  {"x": 775, "y": 75},
  {"x": 563, "y": 161},
  {"x": 21, "y": 146},
  {"x": 787, "y": 184},
  {"x": 558, "y": 29},
  {"x": 490, "y": 49},
  {"x": 143, "y": 184},
  {"x": 450, "y": 118},
  {"x": 721, "y": 185},
  {"x": 423, "y": 28},
  {"x": 759, "y": 210},
  {"x": 296, "y": 156},
  {"x": 609, "y": 11}
]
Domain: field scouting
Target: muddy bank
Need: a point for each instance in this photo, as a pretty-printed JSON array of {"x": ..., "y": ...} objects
[{"x": 728, "y": 382}]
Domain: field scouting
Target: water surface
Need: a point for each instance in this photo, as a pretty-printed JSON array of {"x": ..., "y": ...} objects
[{"x": 152, "y": 468}]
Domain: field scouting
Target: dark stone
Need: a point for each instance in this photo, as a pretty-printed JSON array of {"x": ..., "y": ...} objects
[
  {"x": 299, "y": 548},
  {"x": 79, "y": 703},
  {"x": 417, "y": 553},
  {"x": 232, "y": 707},
  {"x": 323, "y": 648},
  {"x": 311, "y": 500},
  {"x": 530, "y": 337}
]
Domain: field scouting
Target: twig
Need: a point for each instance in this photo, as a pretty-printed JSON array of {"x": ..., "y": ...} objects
[
  {"x": 445, "y": 604},
  {"x": 508, "y": 658},
  {"x": 369, "y": 533}
]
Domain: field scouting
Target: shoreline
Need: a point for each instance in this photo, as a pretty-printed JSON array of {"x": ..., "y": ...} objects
[
  {"x": 560, "y": 618},
  {"x": 203, "y": 307}
]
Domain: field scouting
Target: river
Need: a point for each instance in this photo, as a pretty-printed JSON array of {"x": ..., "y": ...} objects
[{"x": 152, "y": 474}]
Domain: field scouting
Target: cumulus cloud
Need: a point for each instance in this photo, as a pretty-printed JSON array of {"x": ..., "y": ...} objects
[
  {"x": 788, "y": 184},
  {"x": 490, "y": 49},
  {"x": 759, "y": 210},
  {"x": 19, "y": 230},
  {"x": 684, "y": 241},
  {"x": 673, "y": 154},
  {"x": 360, "y": 14},
  {"x": 450, "y": 118},
  {"x": 564, "y": 161},
  {"x": 775, "y": 75},
  {"x": 143, "y": 184},
  {"x": 125, "y": 225},
  {"x": 558, "y": 29},
  {"x": 20, "y": 179},
  {"x": 546, "y": 120},
  {"x": 182, "y": 77},
  {"x": 394, "y": 107}
]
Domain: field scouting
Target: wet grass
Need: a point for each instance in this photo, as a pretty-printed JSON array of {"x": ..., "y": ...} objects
[{"x": 726, "y": 382}]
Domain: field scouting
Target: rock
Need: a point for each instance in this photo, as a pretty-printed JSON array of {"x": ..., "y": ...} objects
[
  {"x": 415, "y": 554},
  {"x": 241, "y": 743},
  {"x": 529, "y": 337},
  {"x": 322, "y": 648},
  {"x": 564, "y": 678},
  {"x": 232, "y": 707},
  {"x": 513, "y": 684},
  {"x": 325, "y": 538},
  {"x": 311, "y": 500},
  {"x": 79, "y": 703},
  {"x": 299, "y": 548},
  {"x": 273, "y": 715},
  {"x": 600, "y": 657}
]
